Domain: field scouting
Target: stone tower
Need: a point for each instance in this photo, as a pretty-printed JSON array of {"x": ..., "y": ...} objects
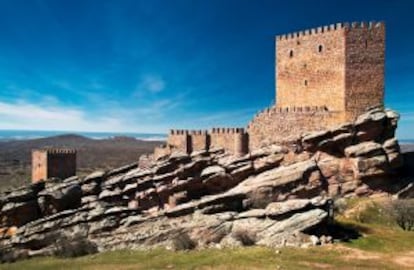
[
  {"x": 47, "y": 163},
  {"x": 340, "y": 67}
]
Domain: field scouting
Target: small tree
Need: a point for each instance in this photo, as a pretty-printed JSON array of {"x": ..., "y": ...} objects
[{"x": 402, "y": 211}]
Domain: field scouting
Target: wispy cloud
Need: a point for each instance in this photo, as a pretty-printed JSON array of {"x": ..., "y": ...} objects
[
  {"x": 150, "y": 83},
  {"x": 23, "y": 115}
]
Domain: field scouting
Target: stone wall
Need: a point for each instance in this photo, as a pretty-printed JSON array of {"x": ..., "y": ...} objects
[
  {"x": 234, "y": 140},
  {"x": 365, "y": 57},
  {"x": 199, "y": 140},
  {"x": 340, "y": 66},
  {"x": 39, "y": 165},
  {"x": 310, "y": 68},
  {"x": 47, "y": 163},
  {"x": 179, "y": 139},
  {"x": 275, "y": 125}
]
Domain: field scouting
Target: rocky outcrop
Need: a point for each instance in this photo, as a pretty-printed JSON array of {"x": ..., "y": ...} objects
[{"x": 274, "y": 196}]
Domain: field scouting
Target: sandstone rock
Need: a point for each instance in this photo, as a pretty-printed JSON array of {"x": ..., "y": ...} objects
[
  {"x": 376, "y": 115},
  {"x": 253, "y": 213},
  {"x": 373, "y": 166},
  {"x": 110, "y": 195},
  {"x": 209, "y": 171},
  {"x": 95, "y": 176},
  {"x": 314, "y": 240},
  {"x": 277, "y": 209},
  {"x": 371, "y": 125},
  {"x": 19, "y": 213},
  {"x": 281, "y": 178},
  {"x": 365, "y": 149},
  {"x": 267, "y": 162},
  {"x": 312, "y": 141},
  {"x": 59, "y": 197},
  {"x": 92, "y": 188},
  {"x": 122, "y": 169},
  {"x": 395, "y": 160},
  {"x": 180, "y": 210}
]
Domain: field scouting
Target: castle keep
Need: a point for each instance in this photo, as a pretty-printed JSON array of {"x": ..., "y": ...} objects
[
  {"x": 47, "y": 163},
  {"x": 325, "y": 76}
]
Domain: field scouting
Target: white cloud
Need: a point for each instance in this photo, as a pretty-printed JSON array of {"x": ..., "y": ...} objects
[
  {"x": 23, "y": 115},
  {"x": 151, "y": 83}
]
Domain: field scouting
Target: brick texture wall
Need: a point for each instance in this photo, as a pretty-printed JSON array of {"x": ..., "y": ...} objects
[
  {"x": 365, "y": 57},
  {"x": 310, "y": 68},
  {"x": 275, "y": 125},
  {"x": 234, "y": 140},
  {"x": 60, "y": 163},
  {"x": 39, "y": 165}
]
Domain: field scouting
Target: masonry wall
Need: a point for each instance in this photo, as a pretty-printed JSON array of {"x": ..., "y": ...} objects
[
  {"x": 179, "y": 140},
  {"x": 276, "y": 125},
  {"x": 60, "y": 163},
  {"x": 365, "y": 57},
  {"x": 310, "y": 68},
  {"x": 39, "y": 165},
  {"x": 234, "y": 140},
  {"x": 200, "y": 140}
]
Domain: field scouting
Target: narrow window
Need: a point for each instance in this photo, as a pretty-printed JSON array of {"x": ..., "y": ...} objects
[
  {"x": 306, "y": 82},
  {"x": 320, "y": 48},
  {"x": 291, "y": 54},
  {"x": 366, "y": 44}
]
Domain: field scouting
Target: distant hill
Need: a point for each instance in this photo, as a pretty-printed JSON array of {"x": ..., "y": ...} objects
[{"x": 15, "y": 156}]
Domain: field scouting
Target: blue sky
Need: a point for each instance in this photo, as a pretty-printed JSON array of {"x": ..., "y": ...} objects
[{"x": 146, "y": 66}]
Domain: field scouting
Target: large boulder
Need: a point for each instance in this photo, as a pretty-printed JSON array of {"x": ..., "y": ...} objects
[{"x": 59, "y": 197}]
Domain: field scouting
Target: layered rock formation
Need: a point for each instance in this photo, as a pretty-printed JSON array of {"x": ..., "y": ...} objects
[{"x": 274, "y": 196}]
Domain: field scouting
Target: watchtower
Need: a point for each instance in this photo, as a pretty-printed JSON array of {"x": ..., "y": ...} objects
[
  {"x": 340, "y": 67},
  {"x": 47, "y": 163}
]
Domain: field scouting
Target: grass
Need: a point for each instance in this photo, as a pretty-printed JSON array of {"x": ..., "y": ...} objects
[{"x": 383, "y": 246}]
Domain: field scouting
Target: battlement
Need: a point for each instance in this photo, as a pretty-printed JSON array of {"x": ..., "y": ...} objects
[
  {"x": 274, "y": 109},
  {"x": 56, "y": 151},
  {"x": 217, "y": 130},
  {"x": 332, "y": 27}
]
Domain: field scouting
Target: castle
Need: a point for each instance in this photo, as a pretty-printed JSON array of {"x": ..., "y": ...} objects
[
  {"x": 325, "y": 76},
  {"x": 47, "y": 163}
]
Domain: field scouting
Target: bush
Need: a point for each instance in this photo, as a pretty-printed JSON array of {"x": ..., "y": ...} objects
[
  {"x": 183, "y": 242},
  {"x": 247, "y": 238},
  {"x": 402, "y": 212},
  {"x": 74, "y": 246},
  {"x": 374, "y": 213}
]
